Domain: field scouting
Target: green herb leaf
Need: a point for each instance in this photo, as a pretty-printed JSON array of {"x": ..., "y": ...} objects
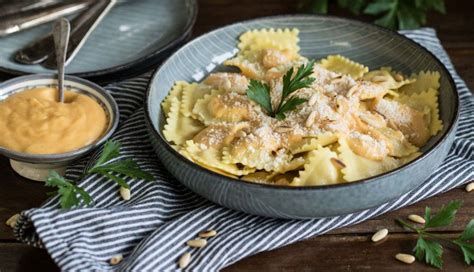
[
  {"x": 71, "y": 195},
  {"x": 430, "y": 251},
  {"x": 444, "y": 217},
  {"x": 120, "y": 181},
  {"x": 378, "y": 7},
  {"x": 127, "y": 167},
  {"x": 402, "y": 14},
  {"x": 300, "y": 80},
  {"x": 319, "y": 6},
  {"x": 467, "y": 251},
  {"x": 468, "y": 233},
  {"x": 408, "y": 17},
  {"x": 289, "y": 105},
  {"x": 67, "y": 191},
  {"x": 260, "y": 93},
  {"x": 111, "y": 151},
  {"x": 354, "y": 6}
]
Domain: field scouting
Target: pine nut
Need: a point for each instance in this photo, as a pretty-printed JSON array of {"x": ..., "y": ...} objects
[
  {"x": 338, "y": 162},
  {"x": 379, "y": 235},
  {"x": 116, "y": 259},
  {"x": 416, "y": 218},
  {"x": 405, "y": 258},
  {"x": 311, "y": 118},
  {"x": 312, "y": 100},
  {"x": 398, "y": 77},
  {"x": 184, "y": 260},
  {"x": 125, "y": 193},
  {"x": 197, "y": 243},
  {"x": 470, "y": 187},
  {"x": 12, "y": 220},
  {"x": 283, "y": 129},
  {"x": 207, "y": 233}
]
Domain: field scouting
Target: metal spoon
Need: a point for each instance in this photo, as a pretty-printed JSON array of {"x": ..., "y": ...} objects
[
  {"x": 81, "y": 27},
  {"x": 61, "y": 32},
  {"x": 16, "y": 22}
]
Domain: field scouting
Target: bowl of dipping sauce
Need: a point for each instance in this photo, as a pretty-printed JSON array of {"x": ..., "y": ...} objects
[{"x": 40, "y": 134}]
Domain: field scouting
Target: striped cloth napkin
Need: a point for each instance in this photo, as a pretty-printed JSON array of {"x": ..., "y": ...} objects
[{"x": 151, "y": 229}]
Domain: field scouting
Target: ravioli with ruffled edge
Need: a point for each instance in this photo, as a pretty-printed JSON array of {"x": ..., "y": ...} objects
[{"x": 354, "y": 124}]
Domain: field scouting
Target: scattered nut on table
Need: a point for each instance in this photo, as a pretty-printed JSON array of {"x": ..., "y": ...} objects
[
  {"x": 416, "y": 218},
  {"x": 11, "y": 222},
  {"x": 379, "y": 235},
  {"x": 116, "y": 259},
  {"x": 184, "y": 260},
  {"x": 405, "y": 258},
  {"x": 207, "y": 233},
  {"x": 125, "y": 193},
  {"x": 197, "y": 242},
  {"x": 470, "y": 186}
]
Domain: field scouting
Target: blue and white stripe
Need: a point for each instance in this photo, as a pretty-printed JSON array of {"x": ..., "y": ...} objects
[{"x": 151, "y": 229}]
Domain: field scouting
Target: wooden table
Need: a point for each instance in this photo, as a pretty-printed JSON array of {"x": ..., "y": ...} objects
[{"x": 344, "y": 249}]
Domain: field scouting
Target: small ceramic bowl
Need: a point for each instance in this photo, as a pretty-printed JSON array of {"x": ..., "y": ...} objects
[
  {"x": 319, "y": 36},
  {"x": 37, "y": 166}
]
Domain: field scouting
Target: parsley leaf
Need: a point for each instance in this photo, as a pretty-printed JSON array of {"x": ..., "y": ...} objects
[
  {"x": 300, "y": 80},
  {"x": 467, "y": 251},
  {"x": 70, "y": 194},
  {"x": 444, "y": 217},
  {"x": 126, "y": 167},
  {"x": 401, "y": 14},
  {"x": 111, "y": 151},
  {"x": 429, "y": 250},
  {"x": 260, "y": 93},
  {"x": 289, "y": 105},
  {"x": 354, "y": 6},
  {"x": 468, "y": 233},
  {"x": 466, "y": 248}
]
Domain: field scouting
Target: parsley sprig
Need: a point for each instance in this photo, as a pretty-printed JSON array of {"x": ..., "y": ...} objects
[
  {"x": 106, "y": 165},
  {"x": 260, "y": 92},
  {"x": 428, "y": 247},
  {"x": 401, "y": 14}
]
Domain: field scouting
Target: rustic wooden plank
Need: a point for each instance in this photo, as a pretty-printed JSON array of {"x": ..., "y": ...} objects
[
  {"x": 18, "y": 257},
  {"x": 345, "y": 253},
  {"x": 325, "y": 253},
  {"x": 453, "y": 28},
  {"x": 464, "y": 215},
  {"x": 18, "y": 194}
]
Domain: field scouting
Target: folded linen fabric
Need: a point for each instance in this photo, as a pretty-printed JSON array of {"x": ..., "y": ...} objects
[{"x": 151, "y": 229}]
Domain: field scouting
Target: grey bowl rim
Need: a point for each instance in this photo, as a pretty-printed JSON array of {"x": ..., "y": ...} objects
[
  {"x": 113, "y": 119},
  {"x": 376, "y": 178},
  {"x": 133, "y": 66}
]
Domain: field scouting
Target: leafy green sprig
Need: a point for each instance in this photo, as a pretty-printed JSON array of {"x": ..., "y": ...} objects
[
  {"x": 401, "y": 14},
  {"x": 260, "y": 92},
  {"x": 71, "y": 194},
  {"x": 428, "y": 247}
]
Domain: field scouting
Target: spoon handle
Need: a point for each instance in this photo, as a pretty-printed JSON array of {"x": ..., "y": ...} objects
[
  {"x": 88, "y": 21},
  {"x": 61, "y": 31}
]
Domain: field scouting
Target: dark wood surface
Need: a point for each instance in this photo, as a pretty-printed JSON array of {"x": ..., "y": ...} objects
[{"x": 347, "y": 249}]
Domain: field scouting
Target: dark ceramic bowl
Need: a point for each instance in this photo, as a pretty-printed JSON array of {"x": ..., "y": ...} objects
[{"x": 319, "y": 36}]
